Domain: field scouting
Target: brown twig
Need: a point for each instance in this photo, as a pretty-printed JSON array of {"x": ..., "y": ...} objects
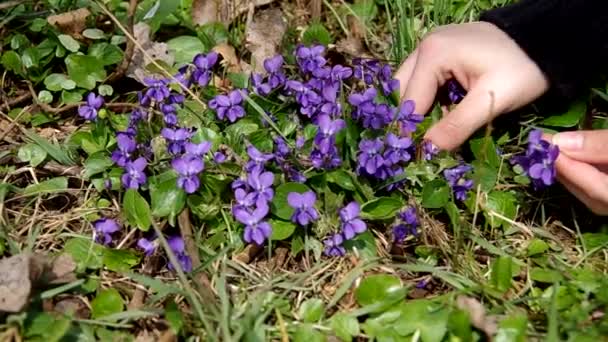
[
  {"x": 45, "y": 107},
  {"x": 15, "y": 101},
  {"x": 315, "y": 9},
  {"x": 126, "y": 60},
  {"x": 185, "y": 228}
]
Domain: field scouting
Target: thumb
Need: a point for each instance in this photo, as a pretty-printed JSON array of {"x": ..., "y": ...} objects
[
  {"x": 475, "y": 110},
  {"x": 585, "y": 146}
]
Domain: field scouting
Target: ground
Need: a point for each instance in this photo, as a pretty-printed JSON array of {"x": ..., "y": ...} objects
[{"x": 118, "y": 223}]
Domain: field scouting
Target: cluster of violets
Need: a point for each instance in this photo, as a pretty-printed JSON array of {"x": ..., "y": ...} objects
[
  {"x": 538, "y": 162},
  {"x": 318, "y": 90}
]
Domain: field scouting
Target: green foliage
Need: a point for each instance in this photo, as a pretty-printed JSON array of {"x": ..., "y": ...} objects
[
  {"x": 107, "y": 302},
  {"x": 137, "y": 210}
]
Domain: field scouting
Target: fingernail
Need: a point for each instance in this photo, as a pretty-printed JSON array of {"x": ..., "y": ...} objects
[{"x": 571, "y": 141}]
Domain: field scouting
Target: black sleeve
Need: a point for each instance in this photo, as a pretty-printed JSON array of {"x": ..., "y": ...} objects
[{"x": 568, "y": 39}]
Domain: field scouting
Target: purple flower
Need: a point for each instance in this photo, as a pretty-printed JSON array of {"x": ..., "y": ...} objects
[
  {"x": 148, "y": 246},
  {"x": 198, "y": 150},
  {"x": 228, "y": 106},
  {"x": 89, "y": 111},
  {"x": 363, "y": 103},
  {"x": 366, "y": 70},
  {"x": 176, "y": 138},
  {"x": 406, "y": 117},
  {"x": 134, "y": 175},
  {"x": 256, "y": 158},
  {"x": 259, "y": 86},
  {"x": 351, "y": 223},
  {"x": 104, "y": 228},
  {"x": 243, "y": 199},
  {"x": 328, "y": 160},
  {"x": 397, "y": 149},
  {"x": 219, "y": 157},
  {"x": 188, "y": 167},
  {"x": 204, "y": 65},
  {"x": 303, "y": 204},
  {"x": 455, "y": 91},
  {"x": 176, "y": 243},
  {"x": 459, "y": 184},
  {"x": 157, "y": 89},
  {"x": 126, "y": 146},
  {"x": 333, "y": 246},
  {"x": 387, "y": 82},
  {"x": 370, "y": 156},
  {"x": 306, "y": 97},
  {"x": 261, "y": 184},
  {"x": 539, "y": 160},
  {"x": 281, "y": 148},
  {"x": 256, "y": 230},
  {"x": 310, "y": 58},
  {"x": 429, "y": 150},
  {"x": 407, "y": 226},
  {"x": 379, "y": 118},
  {"x": 328, "y": 128}
]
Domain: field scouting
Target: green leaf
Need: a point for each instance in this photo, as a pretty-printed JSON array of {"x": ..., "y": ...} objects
[
  {"x": 454, "y": 214},
  {"x": 342, "y": 179},
  {"x": 45, "y": 96},
  {"x": 512, "y": 329},
  {"x": 120, "y": 260},
  {"x": 316, "y": 33},
  {"x": 503, "y": 203},
  {"x": 12, "y": 62},
  {"x": 47, "y": 327},
  {"x": 93, "y": 33},
  {"x": 86, "y": 71},
  {"x": 137, "y": 210},
  {"x": 105, "y": 90},
  {"x": 69, "y": 43},
  {"x": 570, "y": 118},
  {"x": 96, "y": 163},
  {"x": 107, "y": 302},
  {"x": 381, "y": 208},
  {"x": 424, "y": 316},
  {"x": 167, "y": 198},
  {"x": 106, "y": 53},
  {"x": 85, "y": 253},
  {"x": 279, "y": 206},
  {"x": 212, "y": 34},
  {"x": 174, "y": 316},
  {"x": 57, "y": 82},
  {"x": 376, "y": 288},
  {"x": 184, "y": 48},
  {"x": 435, "y": 194},
  {"x": 311, "y": 310},
  {"x": 281, "y": 230},
  {"x": 30, "y": 57},
  {"x": 484, "y": 150},
  {"x": 536, "y": 247},
  {"x": 57, "y": 184},
  {"x": 32, "y": 153},
  {"x": 364, "y": 10},
  {"x": 365, "y": 243},
  {"x": 59, "y": 153},
  {"x": 345, "y": 326},
  {"x": 544, "y": 275},
  {"x": 307, "y": 333},
  {"x": 502, "y": 272},
  {"x": 459, "y": 324},
  {"x": 71, "y": 96}
]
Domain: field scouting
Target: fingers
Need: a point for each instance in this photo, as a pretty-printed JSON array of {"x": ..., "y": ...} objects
[
  {"x": 423, "y": 83},
  {"x": 585, "y": 146},
  {"x": 585, "y": 181},
  {"x": 405, "y": 71},
  {"x": 468, "y": 116}
]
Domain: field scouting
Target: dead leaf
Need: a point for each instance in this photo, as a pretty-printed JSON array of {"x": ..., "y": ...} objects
[
  {"x": 477, "y": 315},
  {"x": 225, "y": 11},
  {"x": 156, "y": 50},
  {"x": 21, "y": 273},
  {"x": 229, "y": 58},
  {"x": 73, "y": 306},
  {"x": 248, "y": 254},
  {"x": 71, "y": 23},
  {"x": 264, "y": 35}
]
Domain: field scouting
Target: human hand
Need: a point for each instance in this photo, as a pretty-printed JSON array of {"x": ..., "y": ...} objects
[
  {"x": 484, "y": 60},
  {"x": 582, "y": 166}
]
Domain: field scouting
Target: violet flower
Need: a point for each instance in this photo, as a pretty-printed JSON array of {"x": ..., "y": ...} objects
[
  {"x": 104, "y": 228},
  {"x": 407, "y": 119},
  {"x": 229, "y": 106},
  {"x": 261, "y": 184},
  {"x": 198, "y": 150},
  {"x": 126, "y": 146},
  {"x": 157, "y": 89},
  {"x": 459, "y": 184},
  {"x": 204, "y": 65},
  {"x": 89, "y": 111},
  {"x": 310, "y": 58},
  {"x": 328, "y": 128},
  {"x": 387, "y": 82},
  {"x": 256, "y": 230},
  {"x": 351, "y": 223},
  {"x": 370, "y": 158},
  {"x": 408, "y": 225},
  {"x": 429, "y": 150},
  {"x": 134, "y": 175},
  {"x": 219, "y": 157},
  {"x": 333, "y": 246},
  {"x": 539, "y": 160},
  {"x": 256, "y": 158},
  {"x": 303, "y": 204},
  {"x": 176, "y": 139},
  {"x": 397, "y": 149},
  {"x": 177, "y": 245},
  {"x": 455, "y": 91},
  {"x": 366, "y": 69},
  {"x": 148, "y": 246},
  {"x": 188, "y": 167}
]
